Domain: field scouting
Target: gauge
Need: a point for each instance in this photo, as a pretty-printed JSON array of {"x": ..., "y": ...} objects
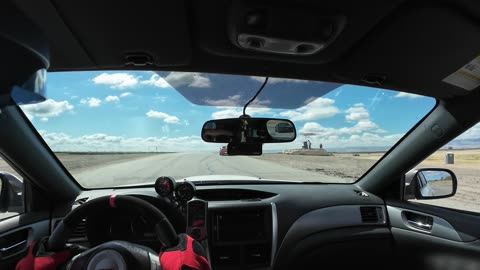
[
  {"x": 185, "y": 191},
  {"x": 164, "y": 186}
]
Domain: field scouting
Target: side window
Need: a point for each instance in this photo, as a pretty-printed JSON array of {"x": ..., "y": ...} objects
[
  {"x": 462, "y": 156},
  {"x": 11, "y": 191}
]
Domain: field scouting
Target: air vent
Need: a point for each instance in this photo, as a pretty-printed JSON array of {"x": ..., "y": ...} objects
[
  {"x": 80, "y": 232},
  {"x": 233, "y": 194},
  {"x": 371, "y": 214},
  {"x": 80, "y": 201}
]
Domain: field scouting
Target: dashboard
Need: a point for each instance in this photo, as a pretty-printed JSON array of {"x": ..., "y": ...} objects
[{"x": 241, "y": 224}]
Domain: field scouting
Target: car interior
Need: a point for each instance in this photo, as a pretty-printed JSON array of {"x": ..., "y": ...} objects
[{"x": 427, "y": 48}]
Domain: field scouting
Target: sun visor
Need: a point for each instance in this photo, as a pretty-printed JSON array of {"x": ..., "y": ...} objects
[
  {"x": 25, "y": 57},
  {"x": 235, "y": 90},
  {"x": 119, "y": 33}
]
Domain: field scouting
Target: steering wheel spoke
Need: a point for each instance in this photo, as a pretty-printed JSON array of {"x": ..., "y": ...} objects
[{"x": 116, "y": 255}]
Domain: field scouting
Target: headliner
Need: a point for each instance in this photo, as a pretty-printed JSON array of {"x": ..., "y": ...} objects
[{"x": 414, "y": 45}]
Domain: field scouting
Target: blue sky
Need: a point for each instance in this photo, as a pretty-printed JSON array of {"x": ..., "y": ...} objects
[{"x": 141, "y": 111}]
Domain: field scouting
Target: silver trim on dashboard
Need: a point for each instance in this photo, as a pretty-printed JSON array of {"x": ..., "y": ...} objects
[{"x": 274, "y": 232}]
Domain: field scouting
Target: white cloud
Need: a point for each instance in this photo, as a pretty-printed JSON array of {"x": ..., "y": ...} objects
[
  {"x": 91, "y": 101},
  {"x": 237, "y": 112},
  {"x": 468, "y": 139},
  {"x": 360, "y": 135},
  {"x": 472, "y": 133},
  {"x": 190, "y": 79},
  {"x": 231, "y": 101},
  {"x": 316, "y": 128},
  {"x": 101, "y": 137},
  {"x": 73, "y": 97},
  {"x": 116, "y": 80},
  {"x": 177, "y": 79},
  {"x": 112, "y": 98},
  {"x": 318, "y": 109},
  {"x": 236, "y": 101},
  {"x": 161, "y": 115},
  {"x": 310, "y": 99},
  {"x": 104, "y": 142},
  {"x": 357, "y": 113},
  {"x": 406, "y": 95},
  {"x": 126, "y": 94},
  {"x": 46, "y": 109},
  {"x": 276, "y": 80},
  {"x": 157, "y": 81}
]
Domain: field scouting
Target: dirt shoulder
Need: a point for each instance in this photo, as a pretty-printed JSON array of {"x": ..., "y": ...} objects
[
  {"x": 75, "y": 162},
  {"x": 346, "y": 167}
]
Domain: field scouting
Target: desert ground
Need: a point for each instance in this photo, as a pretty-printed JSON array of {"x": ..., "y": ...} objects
[{"x": 105, "y": 169}]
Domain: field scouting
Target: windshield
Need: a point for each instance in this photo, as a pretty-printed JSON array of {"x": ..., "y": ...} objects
[{"x": 124, "y": 128}]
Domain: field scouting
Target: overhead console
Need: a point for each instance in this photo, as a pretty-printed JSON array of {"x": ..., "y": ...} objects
[
  {"x": 313, "y": 32},
  {"x": 290, "y": 30}
]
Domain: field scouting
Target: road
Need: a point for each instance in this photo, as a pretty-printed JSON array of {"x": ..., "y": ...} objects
[{"x": 181, "y": 165}]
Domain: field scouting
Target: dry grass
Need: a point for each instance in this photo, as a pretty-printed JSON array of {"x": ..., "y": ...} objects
[{"x": 466, "y": 167}]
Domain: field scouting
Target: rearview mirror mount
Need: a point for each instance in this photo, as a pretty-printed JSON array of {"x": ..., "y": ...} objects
[{"x": 244, "y": 149}]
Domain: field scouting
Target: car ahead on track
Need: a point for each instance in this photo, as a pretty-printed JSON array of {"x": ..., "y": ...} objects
[
  {"x": 116, "y": 165},
  {"x": 283, "y": 128},
  {"x": 223, "y": 151}
]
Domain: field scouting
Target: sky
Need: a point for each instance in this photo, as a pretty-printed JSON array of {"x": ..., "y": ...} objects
[{"x": 148, "y": 111}]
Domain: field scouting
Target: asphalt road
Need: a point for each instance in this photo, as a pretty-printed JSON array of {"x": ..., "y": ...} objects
[{"x": 181, "y": 165}]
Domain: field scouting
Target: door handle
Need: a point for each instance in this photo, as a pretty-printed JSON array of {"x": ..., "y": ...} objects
[
  {"x": 417, "y": 221},
  {"x": 6, "y": 249},
  {"x": 420, "y": 225}
]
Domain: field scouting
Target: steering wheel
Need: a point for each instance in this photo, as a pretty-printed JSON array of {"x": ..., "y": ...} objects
[{"x": 115, "y": 254}]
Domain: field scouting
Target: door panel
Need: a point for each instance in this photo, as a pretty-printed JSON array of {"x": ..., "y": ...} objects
[
  {"x": 434, "y": 238},
  {"x": 405, "y": 219},
  {"x": 15, "y": 242}
]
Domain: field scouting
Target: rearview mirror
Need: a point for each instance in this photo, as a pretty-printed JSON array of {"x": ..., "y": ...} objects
[
  {"x": 427, "y": 183},
  {"x": 249, "y": 130}
]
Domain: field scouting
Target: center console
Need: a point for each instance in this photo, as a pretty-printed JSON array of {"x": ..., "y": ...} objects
[
  {"x": 236, "y": 235},
  {"x": 241, "y": 237}
]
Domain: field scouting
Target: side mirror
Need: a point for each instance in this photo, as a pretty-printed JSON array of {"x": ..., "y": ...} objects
[
  {"x": 11, "y": 193},
  {"x": 428, "y": 183}
]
